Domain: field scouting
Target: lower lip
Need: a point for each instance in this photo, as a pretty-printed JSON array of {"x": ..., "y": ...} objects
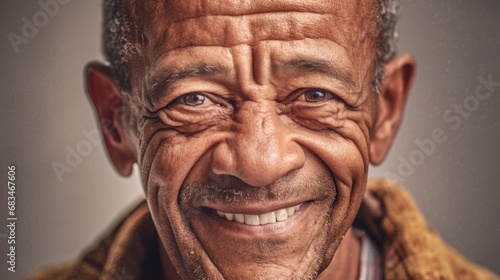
[{"x": 249, "y": 231}]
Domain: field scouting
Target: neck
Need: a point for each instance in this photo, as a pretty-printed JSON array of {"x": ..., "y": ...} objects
[
  {"x": 169, "y": 271},
  {"x": 345, "y": 263}
]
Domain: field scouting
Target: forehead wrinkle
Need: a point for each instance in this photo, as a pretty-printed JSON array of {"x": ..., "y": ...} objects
[
  {"x": 243, "y": 15},
  {"x": 180, "y": 10},
  {"x": 157, "y": 15},
  {"x": 235, "y": 30}
]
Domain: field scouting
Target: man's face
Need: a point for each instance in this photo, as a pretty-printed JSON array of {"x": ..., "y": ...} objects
[{"x": 254, "y": 124}]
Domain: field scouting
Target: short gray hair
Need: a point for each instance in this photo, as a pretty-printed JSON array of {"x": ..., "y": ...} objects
[
  {"x": 387, "y": 42},
  {"x": 121, "y": 35}
]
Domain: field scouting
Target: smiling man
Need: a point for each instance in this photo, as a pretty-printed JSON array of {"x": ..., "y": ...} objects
[{"x": 254, "y": 124}]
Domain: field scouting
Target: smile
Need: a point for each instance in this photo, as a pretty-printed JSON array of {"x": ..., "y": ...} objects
[{"x": 272, "y": 217}]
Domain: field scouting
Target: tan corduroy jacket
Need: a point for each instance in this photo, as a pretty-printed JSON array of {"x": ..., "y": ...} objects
[{"x": 410, "y": 248}]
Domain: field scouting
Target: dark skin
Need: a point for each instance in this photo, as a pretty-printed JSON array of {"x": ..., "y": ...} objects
[{"x": 249, "y": 110}]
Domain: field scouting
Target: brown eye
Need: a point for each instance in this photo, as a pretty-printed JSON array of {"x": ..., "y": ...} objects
[
  {"x": 317, "y": 95},
  {"x": 193, "y": 99}
]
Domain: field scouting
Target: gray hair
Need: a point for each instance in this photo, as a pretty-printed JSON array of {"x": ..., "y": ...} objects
[
  {"x": 121, "y": 35},
  {"x": 387, "y": 43}
]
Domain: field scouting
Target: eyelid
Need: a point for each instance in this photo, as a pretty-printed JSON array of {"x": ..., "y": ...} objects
[
  {"x": 212, "y": 98},
  {"x": 170, "y": 95},
  {"x": 180, "y": 98},
  {"x": 301, "y": 92}
]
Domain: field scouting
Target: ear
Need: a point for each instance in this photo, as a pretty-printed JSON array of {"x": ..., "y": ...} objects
[
  {"x": 107, "y": 99},
  {"x": 395, "y": 88}
]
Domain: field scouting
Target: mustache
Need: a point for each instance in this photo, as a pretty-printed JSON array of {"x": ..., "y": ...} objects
[{"x": 232, "y": 190}]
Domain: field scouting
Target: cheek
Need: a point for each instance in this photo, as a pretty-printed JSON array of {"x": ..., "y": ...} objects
[
  {"x": 337, "y": 135},
  {"x": 194, "y": 120},
  {"x": 339, "y": 138},
  {"x": 167, "y": 156}
]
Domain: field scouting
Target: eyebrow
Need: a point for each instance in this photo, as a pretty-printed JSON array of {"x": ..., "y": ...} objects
[
  {"x": 317, "y": 66},
  {"x": 162, "y": 81}
]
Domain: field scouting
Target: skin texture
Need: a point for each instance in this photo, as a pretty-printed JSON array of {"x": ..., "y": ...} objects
[{"x": 248, "y": 108}]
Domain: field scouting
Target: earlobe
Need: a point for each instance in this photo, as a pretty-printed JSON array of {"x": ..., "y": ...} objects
[
  {"x": 107, "y": 100},
  {"x": 396, "y": 86}
]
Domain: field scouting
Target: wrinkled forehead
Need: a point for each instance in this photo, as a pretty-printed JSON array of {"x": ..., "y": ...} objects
[{"x": 175, "y": 24}]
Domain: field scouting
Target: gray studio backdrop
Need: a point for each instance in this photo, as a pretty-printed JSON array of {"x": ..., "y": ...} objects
[{"x": 46, "y": 117}]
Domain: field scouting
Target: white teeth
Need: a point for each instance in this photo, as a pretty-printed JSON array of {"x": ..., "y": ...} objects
[
  {"x": 229, "y": 216},
  {"x": 252, "y": 220},
  {"x": 263, "y": 219},
  {"x": 240, "y": 218},
  {"x": 281, "y": 215},
  {"x": 268, "y": 218}
]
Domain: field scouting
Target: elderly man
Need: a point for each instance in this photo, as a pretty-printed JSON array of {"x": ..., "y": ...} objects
[{"x": 254, "y": 123}]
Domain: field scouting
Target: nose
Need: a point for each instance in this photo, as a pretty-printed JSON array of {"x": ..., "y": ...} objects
[{"x": 260, "y": 148}]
